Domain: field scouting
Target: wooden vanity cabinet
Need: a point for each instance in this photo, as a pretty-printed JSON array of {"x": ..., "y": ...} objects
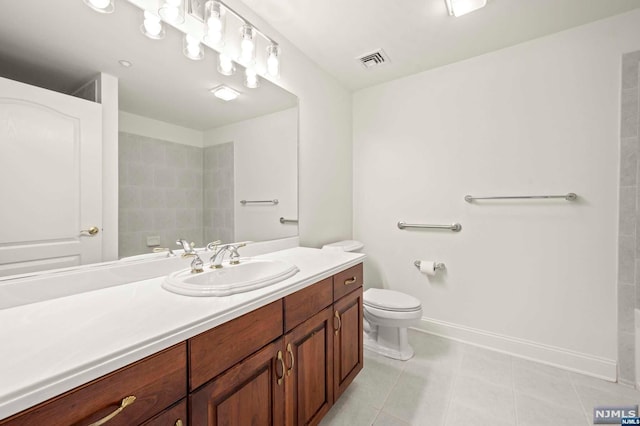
[
  {"x": 347, "y": 337},
  {"x": 156, "y": 382}
]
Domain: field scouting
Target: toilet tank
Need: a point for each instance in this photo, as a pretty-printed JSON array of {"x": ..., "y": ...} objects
[{"x": 344, "y": 245}]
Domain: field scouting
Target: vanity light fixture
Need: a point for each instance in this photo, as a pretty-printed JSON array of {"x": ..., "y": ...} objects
[
  {"x": 102, "y": 6},
  {"x": 225, "y": 64},
  {"x": 225, "y": 93},
  {"x": 273, "y": 60},
  {"x": 247, "y": 44},
  {"x": 172, "y": 11},
  {"x": 251, "y": 78},
  {"x": 152, "y": 26},
  {"x": 192, "y": 48},
  {"x": 213, "y": 22},
  {"x": 462, "y": 7}
]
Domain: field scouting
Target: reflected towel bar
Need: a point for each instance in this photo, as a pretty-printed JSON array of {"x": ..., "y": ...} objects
[
  {"x": 569, "y": 197},
  {"x": 245, "y": 202},
  {"x": 283, "y": 220},
  {"x": 456, "y": 227}
]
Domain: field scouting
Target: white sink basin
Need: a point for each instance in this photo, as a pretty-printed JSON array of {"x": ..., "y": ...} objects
[{"x": 250, "y": 274}]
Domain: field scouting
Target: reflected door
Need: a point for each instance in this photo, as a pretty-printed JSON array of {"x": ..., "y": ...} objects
[{"x": 50, "y": 179}]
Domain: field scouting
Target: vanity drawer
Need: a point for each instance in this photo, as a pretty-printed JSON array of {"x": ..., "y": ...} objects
[
  {"x": 346, "y": 281},
  {"x": 172, "y": 416},
  {"x": 214, "y": 351},
  {"x": 156, "y": 382},
  {"x": 303, "y": 304}
]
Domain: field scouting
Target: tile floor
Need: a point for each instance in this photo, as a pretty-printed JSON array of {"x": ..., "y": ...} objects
[{"x": 448, "y": 383}]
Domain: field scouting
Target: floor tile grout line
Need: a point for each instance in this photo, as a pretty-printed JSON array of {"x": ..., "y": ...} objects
[
  {"x": 513, "y": 391},
  {"x": 575, "y": 390},
  {"x": 456, "y": 375}
]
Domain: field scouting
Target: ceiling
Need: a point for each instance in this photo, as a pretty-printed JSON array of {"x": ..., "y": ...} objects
[
  {"x": 417, "y": 35},
  {"x": 62, "y": 44}
]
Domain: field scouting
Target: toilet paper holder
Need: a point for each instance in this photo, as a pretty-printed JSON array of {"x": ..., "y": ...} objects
[{"x": 438, "y": 266}]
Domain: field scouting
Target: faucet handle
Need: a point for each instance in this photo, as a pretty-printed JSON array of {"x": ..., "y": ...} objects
[
  {"x": 197, "y": 264},
  {"x": 170, "y": 252},
  {"x": 212, "y": 246}
]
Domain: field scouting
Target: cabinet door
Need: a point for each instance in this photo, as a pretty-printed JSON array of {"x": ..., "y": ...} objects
[
  {"x": 309, "y": 375},
  {"x": 249, "y": 393},
  {"x": 347, "y": 341},
  {"x": 175, "y": 415}
]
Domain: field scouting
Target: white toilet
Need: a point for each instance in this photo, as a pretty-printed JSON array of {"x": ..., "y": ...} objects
[{"x": 387, "y": 315}]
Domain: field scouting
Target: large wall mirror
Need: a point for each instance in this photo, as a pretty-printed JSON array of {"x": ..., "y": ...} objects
[{"x": 186, "y": 159}]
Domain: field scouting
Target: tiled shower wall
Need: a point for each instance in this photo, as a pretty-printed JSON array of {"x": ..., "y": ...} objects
[
  {"x": 161, "y": 193},
  {"x": 629, "y": 223},
  {"x": 219, "y": 193}
]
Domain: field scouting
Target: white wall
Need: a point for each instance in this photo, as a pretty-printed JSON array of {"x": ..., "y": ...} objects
[
  {"x": 145, "y": 126},
  {"x": 537, "y": 279},
  {"x": 265, "y": 168}
]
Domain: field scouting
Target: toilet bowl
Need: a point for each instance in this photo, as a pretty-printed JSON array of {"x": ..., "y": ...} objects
[{"x": 387, "y": 315}]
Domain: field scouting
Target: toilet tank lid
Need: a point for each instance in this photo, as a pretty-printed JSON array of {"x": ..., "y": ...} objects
[
  {"x": 345, "y": 245},
  {"x": 390, "y": 300}
]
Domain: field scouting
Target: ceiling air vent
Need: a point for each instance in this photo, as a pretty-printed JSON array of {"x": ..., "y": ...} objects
[{"x": 373, "y": 59}]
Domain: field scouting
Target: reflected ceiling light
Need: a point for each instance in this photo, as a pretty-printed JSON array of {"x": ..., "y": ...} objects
[
  {"x": 213, "y": 22},
  {"x": 247, "y": 45},
  {"x": 102, "y": 6},
  {"x": 462, "y": 7},
  {"x": 172, "y": 11},
  {"x": 125, "y": 63},
  {"x": 152, "y": 26},
  {"x": 192, "y": 48},
  {"x": 251, "y": 78},
  {"x": 273, "y": 60},
  {"x": 225, "y": 64},
  {"x": 225, "y": 93}
]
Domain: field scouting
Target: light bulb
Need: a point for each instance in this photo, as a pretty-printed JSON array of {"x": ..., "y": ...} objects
[
  {"x": 225, "y": 65},
  {"x": 273, "y": 60},
  {"x": 152, "y": 26},
  {"x": 251, "y": 78},
  {"x": 102, "y": 6},
  {"x": 214, "y": 23},
  {"x": 192, "y": 48},
  {"x": 247, "y": 45},
  {"x": 171, "y": 11}
]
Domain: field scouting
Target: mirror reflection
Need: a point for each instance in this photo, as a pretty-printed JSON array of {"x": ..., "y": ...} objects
[{"x": 185, "y": 159}]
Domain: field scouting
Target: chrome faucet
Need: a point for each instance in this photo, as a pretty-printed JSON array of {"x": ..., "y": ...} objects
[
  {"x": 220, "y": 250},
  {"x": 196, "y": 264},
  {"x": 187, "y": 247}
]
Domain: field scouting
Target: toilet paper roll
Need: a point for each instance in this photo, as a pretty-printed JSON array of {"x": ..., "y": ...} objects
[{"x": 428, "y": 267}]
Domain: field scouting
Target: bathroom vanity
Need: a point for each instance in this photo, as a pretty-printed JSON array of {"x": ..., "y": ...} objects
[{"x": 278, "y": 355}]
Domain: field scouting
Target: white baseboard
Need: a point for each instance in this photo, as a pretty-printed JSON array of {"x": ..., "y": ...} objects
[{"x": 590, "y": 365}]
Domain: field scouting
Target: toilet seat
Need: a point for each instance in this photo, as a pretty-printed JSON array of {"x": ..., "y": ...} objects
[{"x": 391, "y": 301}]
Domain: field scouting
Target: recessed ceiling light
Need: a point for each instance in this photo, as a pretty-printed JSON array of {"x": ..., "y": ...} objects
[
  {"x": 462, "y": 7},
  {"x": 125, "y": 63},
  {"x": 225, "y": 93}
]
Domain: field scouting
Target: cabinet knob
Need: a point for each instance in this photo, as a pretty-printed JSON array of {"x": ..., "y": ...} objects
[{"x": 179, "y": 422}]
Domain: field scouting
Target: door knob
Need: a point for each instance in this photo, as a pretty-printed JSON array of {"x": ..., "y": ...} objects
[{"x": 91, "y": 231}]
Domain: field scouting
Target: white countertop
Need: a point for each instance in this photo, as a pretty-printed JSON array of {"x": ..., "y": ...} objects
[{"x": 52, "y": 346}]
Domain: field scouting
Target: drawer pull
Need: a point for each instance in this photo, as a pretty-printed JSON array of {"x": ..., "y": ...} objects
[
  {"x": 124, "y": 404},
  {"x": 337, "y": 316},
  {"x": 350, "y": 281},
  {"x": 293, "y": 361},
  {"x": 179, "y": 423},
  {"x": 281, "y": 359}
]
